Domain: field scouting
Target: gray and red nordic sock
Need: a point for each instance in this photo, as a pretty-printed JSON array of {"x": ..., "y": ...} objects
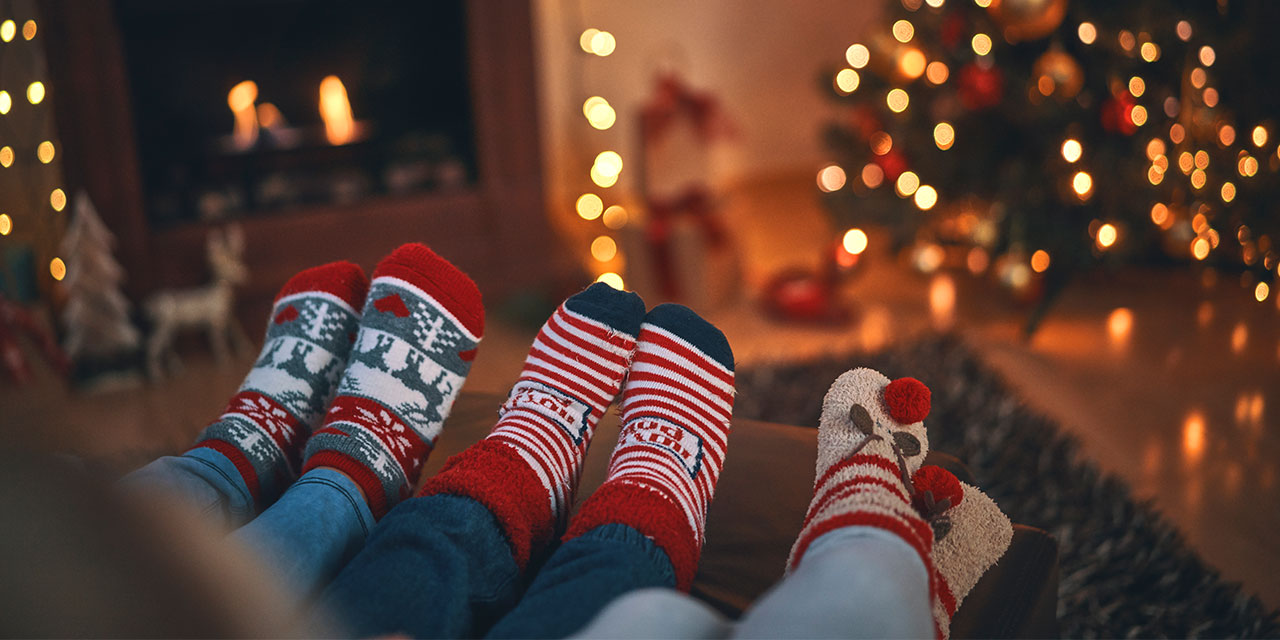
[
  {"x": 418, "y": 334},
  {"x": 526, "y": 471},
  {"x": 309, "y": 334},
  {"x": 675, "y": 434}
]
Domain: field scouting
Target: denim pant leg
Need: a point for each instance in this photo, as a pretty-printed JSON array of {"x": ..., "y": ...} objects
[
  {"x": 202, "y": 478},
  {"x": 435, "y": 567},
  {"x": 855, "y": 582},
  {"x": 583, "y": 576},
  {"x": 657, "y": 613},
  {"x": 319, "y": 524}
]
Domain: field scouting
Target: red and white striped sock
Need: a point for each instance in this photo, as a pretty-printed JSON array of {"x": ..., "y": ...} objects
[
  {"x": 527, "y": 469},
  {"x": 870, "y": 442},
  {"x": 675, "y": 434}
]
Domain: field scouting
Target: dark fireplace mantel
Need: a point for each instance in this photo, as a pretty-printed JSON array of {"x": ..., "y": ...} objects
[{"x": 492, "y": 224}]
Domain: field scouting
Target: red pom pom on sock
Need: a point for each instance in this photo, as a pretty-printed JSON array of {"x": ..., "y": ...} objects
[
  {"x": 942, "y": 483},
  {"x": 908, "y": 400}
]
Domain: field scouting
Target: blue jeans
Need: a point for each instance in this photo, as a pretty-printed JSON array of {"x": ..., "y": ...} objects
[{"x": 315, "y": 527}]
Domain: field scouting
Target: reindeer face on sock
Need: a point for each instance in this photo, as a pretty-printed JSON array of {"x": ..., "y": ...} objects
[{"x": 865, "y": 412}]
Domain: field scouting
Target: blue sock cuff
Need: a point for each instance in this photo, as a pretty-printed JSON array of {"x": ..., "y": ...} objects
[
  {"x": 682, "y": 321},
  {"x": 623, "y": 311}
]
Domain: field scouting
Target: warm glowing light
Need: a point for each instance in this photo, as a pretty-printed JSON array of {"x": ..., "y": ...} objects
[
  {"x": 1239, "y": 338},
  {"x": 1199, "y": 223},
  {"x": 1198, "y": 178},
  {"x": 58, "y": 199},
  {"x": 1248, "y": 166},
  {"x": 6, "y": 224},
  {"x": 881, "y": 143},
  {"x": 603, "y": 43},
  {"x": 977, "y": 260},
  {"x": 1210, "y": 97},
  {"x": 1171, "y": 107},
  {"x": 7, "y": 30},
  {"x": 1228, "y": 192},
  {"x": 1137, "y": 86},
  {"x": 831, "y": 178},
  {"x": 1200, "y": 248},
  {"x": 1138, "y": 115},
  {"x": 1186, "y": 162},
  {"x": 601, "y": 116},
  {"x": 1040, "y": 261},
  {"x": 929, "y": 258},
  {"x": 847, "y": 81},
  {"x": 1071, "y": 150},
  {"x": 603, "y": 248},
  {"x": 897, "y": 99},
  {"x": 584, "y": 40},
  {"x": 937, "y": 72},
  {"x": 1184, "y": 30},
  {"x": 589, "y": 206},
  {"x": 57, "y": 269},
  {"x": 1226, "y": 135},
  {"x": 1159, "y": 214},
  {"x": 1107, "y": 235},
  {"x": 1087, "y": 32},
  {"x": 1045, "y": 85},
  {"x": 1198, "y": 78},
  {"x": 1259, "y": 136},
  {"x": 942, "y": 300},
  {"x": 612, "y": 279},
  {"x": 1155, "y": 175},
  {"x": 854, "y": 241},
  {"x": 609, "y": 163},
  {"x": 591, "y": 103},
  {"x": 615, "y": 217},
  {"x": 1119, "y": 325},
  {"x": 912, "y": 63},
  {"x": 872, "y": 175},
  {"x": 944, "y": 135},
  {"x": 28, "y": 29},
  {"x": 858, "y": 56},
  {"x": 242, "y": 96},
  {"x": 1126, "y": 40},
  {"x": 601, "y": 180},
  {"x": 44, "y": 152},
  {"x": 935, "y": 3},
  {"x": 1193, "y": 437},
  {"x": 1160, "y": 163},
  {"x": 1149, "y": 51},
  {"x": 981, "y": 44},
  {"x": 240, "y": 100},
  {"x": 982, "y": 3},
  {"x": 6, "y": 156},
  {"x": 907, "y": 183},
  {"x": 926, "y": 196},
  {"x": 269, "y": 116},
  {"x": 1207, "y": 56},
  {"x": 903, "y": 31},
  {"x": 335, "y": 110},
  {"x": 1176, "y": 133},
  {"x": 1261, "y": 292},
  {"x": 1155, "y": 148},
  {"x": 6, "y": 102},
  {"x": 35, "y": 92},
  {"x": 1082, "y": 184}
]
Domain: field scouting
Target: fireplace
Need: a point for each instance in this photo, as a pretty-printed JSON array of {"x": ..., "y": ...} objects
[{"x": 326, "y": 129}]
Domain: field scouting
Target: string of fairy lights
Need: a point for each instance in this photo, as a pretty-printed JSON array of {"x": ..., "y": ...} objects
[
  {"x": 1191, "y": 211},
  {"x": 605, "y": 169},
  {"x": 27, "y": 149}
]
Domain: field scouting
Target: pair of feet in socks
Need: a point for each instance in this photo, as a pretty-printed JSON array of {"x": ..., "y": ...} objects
[{"x": 359, "y": 376}]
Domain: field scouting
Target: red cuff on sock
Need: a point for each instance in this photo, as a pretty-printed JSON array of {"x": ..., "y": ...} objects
[
  {"x": 494, "y": 474},
  {"x": 343, "y": 279},
  {"x": 423, "y": 268},
  {"x": 238, "y": 459},
  {"x": 649, "y": 512},
  {"x": 359, "y": 474}
]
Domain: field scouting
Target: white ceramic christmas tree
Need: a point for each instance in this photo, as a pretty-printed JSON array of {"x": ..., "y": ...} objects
[{"x": 96, "y": 316}]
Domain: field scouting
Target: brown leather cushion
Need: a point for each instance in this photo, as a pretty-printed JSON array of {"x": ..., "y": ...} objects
[{"x": 760, "y": 504}]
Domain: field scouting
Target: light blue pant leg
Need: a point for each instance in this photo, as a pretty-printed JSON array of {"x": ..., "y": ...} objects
[
  {"x": 310, "y": 532},
  {"x": 202, "y": 478},
  {"x": 855, "y": 582},
  {"x": 657, "y": 613}
]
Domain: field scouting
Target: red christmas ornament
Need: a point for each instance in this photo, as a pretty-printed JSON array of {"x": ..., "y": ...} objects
[
  {"x": 980, "y": 88},
  {"x": 940, "y": 482},
  {"x": 1117, "y": 114},
  {"x": 907, "y": 399}
]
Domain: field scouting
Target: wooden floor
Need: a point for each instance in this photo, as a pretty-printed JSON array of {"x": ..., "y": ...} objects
[{"x": 1182, "y": 400}]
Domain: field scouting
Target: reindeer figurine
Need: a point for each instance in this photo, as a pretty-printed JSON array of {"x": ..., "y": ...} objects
[{"x": 208, "y": 307}]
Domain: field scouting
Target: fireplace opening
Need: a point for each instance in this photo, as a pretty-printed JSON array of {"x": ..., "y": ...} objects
[{"x": 243, "y": 108}]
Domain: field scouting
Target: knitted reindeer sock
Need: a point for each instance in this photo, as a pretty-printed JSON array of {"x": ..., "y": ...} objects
[
  {"x": 525, "y": 472},
  {"x": 418, "y": 335},
  {"x": 266, "y": 422},
  {"x": 674, "y": 438}
]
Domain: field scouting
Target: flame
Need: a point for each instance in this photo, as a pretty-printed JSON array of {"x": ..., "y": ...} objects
[
  {"x": 335, "y": 109},
  {"x": 240, "y": 99},
  {"x": 269, "y": 116}
]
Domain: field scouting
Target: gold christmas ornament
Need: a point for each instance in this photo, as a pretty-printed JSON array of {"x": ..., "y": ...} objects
[
  {"x": 1027, "y": 19},
  {"x": 1057, "y": 74}
]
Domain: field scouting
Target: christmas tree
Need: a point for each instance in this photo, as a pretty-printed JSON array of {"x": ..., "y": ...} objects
[
  {"x": 1034, "y": 139},
  {"x": 96, "y": 315}
]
